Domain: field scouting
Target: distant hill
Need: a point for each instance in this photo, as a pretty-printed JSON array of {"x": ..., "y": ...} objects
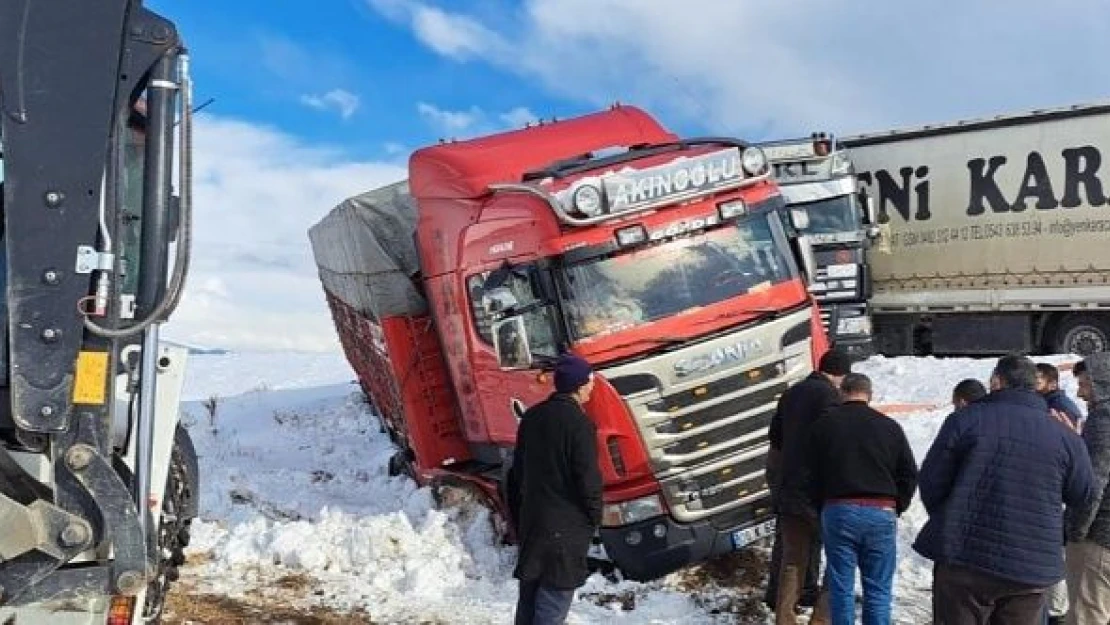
[{"x": 197, "y": 349}]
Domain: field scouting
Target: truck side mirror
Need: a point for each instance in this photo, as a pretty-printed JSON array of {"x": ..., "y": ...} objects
[
  {"x": 873, "y": 232},
  {"x": 498, "y": 301},
  {"x": 867, "y": 204},
  {"x": 510, "y": 341},
  {"x": 799, "y": 218},
  {"x": 808, "y": 260}
]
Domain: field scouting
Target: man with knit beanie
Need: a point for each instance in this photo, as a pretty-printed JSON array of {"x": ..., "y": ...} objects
[
  {"x": 554, "y": 492},
  {"x": 799, "y": 526}
]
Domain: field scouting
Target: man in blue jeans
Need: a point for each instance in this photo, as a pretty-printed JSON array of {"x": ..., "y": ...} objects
[{"x": 863, "y": 477}]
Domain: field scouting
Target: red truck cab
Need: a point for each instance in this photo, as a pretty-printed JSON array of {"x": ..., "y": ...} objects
[{"x": 668, "y": 264}]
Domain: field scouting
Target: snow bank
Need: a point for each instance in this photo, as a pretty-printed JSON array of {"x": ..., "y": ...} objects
[{"x": 294, "y": 478}]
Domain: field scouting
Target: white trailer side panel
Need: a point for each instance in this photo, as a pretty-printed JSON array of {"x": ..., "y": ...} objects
[{"x": 1007, "y": 214}]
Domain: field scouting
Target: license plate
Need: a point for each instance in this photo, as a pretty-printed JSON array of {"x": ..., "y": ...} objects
[{"x": 749, "y": 535}]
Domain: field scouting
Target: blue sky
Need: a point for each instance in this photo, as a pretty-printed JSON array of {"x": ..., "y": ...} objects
[
  {"x": 316, "y": 101},
  {"x": 268, "y": 61}
]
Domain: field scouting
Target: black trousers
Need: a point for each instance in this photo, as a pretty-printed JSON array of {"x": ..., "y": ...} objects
[
  {"x": 965, "y": 597},
  {"x": 810, "y": 587}
]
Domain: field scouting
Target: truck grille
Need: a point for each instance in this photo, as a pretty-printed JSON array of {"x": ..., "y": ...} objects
[
  {"x": 707, "y": 444},
  {"x": 691, "y": 427},
  {"x": 739, "y": 480},
  {"x": 707, "y": 436},
  {"x": 825, "y": 289}
]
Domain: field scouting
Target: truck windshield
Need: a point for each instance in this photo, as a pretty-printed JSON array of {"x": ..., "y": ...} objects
[
  {"x": 614, "y": 293},
  {"x": 831, "y": 215}
]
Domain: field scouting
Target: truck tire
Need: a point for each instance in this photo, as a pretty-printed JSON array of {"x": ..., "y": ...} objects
[
  {"x": 179, "y": 508},
  {"x": 1082, "y": 334},
  {"x": 466, "y": 498}
]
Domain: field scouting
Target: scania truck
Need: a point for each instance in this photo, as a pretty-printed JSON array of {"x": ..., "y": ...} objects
[
  {"x": 667, "y": 263},
  {"x": 819, "y": 184},
  {"x": 996, "y": 233}
]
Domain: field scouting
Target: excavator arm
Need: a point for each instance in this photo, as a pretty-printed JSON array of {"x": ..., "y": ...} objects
[{"x": 94, "y": 99}]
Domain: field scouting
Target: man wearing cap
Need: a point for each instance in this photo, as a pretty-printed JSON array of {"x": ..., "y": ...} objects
[{"x": 554, "y": 492}]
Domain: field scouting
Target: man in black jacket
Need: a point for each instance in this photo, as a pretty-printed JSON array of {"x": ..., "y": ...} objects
[
  {"x": 863, "y": 478},
  {"x": 993, "y": 483},
  {"x": 554, "y": 489},
  {"x": 787, "y": 472}
]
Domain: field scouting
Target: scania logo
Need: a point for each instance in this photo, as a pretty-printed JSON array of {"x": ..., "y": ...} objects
[{"x": 737, "y": 352}]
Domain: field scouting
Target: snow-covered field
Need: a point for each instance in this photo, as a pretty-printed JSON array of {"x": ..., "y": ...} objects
[{"x": 294, "y": 487}]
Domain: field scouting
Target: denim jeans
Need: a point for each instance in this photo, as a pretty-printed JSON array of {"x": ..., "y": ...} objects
[
  {"x": 542, "y": 605},
  {"x": 863, "y": 537}
]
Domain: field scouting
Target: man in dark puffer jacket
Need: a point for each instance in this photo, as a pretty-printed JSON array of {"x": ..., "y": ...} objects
[
  {"x": 1088, "y": 527},
  {"x": 993, "y": 483}
]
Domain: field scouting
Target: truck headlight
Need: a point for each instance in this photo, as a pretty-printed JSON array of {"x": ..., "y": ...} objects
[
  {"x": 732, "y": 208},
  {"x": 587, "y": 200},
  {"x": 794, "y": 362},
  {"x": 631, "y": 511},
  {"x": 754, "y": 161},
  {"x": 844, "y": 270},
  {"x": 854, "y": 325}
]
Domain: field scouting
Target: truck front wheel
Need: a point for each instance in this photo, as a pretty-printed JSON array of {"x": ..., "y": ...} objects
[
  {"x": 1081, "y": 334},
  {"x": 467, "y": 499}
]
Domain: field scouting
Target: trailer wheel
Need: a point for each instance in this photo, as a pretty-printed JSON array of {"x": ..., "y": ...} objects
[{"x": 1081, "y": 334}]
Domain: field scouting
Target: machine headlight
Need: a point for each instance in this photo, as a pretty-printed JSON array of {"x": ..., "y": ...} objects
[
  {"x": 754, "y": 161},
  {"x": 587, "y": 200},
  {"x": 625, "y": 512},
  {"x": 854, "y": 325}
]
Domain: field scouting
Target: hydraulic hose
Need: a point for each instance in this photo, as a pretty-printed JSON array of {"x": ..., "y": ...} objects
[{"x": 172, "y": 297}]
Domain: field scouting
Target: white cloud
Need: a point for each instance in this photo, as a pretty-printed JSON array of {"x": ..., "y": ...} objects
[
  {"x": 473, "y": 121},
  {"x": 518, "y": 117},
  {"x": 453, "y": 35},
  {"x": 340, "y": 100},
  {"x": 793, "y": 66},
  {"x": 450, "y": 121},
  {"x": 252, "y": 281}
]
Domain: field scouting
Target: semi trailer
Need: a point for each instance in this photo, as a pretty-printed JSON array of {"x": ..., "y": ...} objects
[{"x": 994, "y": 233}]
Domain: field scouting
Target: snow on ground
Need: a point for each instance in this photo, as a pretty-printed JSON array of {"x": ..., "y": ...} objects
[{"x": 294, "y": 482}]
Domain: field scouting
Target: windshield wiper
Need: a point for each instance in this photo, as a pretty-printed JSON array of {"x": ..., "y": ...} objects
[
  {"x": 761, "y": 313},
  {"x": 650, "y": 341}
]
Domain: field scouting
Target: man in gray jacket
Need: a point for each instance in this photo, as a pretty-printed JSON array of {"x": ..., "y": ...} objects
[{"x": 1088, "y": 527}]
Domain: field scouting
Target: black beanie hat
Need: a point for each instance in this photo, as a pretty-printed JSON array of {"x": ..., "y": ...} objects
[
  {"x": 835, "y": 362},
  {"x": 571, "y": 373}
]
